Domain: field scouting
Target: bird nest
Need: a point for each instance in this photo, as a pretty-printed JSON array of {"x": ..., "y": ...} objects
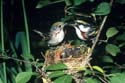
[{"x": 75, "y": 57}]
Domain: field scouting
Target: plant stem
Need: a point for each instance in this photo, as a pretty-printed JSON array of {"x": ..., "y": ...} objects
[
  {"x": 2, "y": 34},
  {"x": 58, "y": 1},
  {"x": 98, "y": 35},
  {"x": 26, "y": 27},
  {"x": 2, "y": 42},
  {"x": 99, "y": 32}
]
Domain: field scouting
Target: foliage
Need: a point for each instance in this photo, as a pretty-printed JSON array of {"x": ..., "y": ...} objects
[
  {"x": 111, "y": 32},
  {"x": 58, "y": 66},
  {"x": 18, "y": 64},
  {"x": 112, "y": 49},
  {"x": 103, "y": 9},
  {"x": 118, "y": 78},
  {"x": 64, "y": 79},
  {"x": 23, "y": 77}
]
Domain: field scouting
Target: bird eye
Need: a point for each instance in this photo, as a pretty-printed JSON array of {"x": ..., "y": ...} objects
[{"x": 59, "y": 26}]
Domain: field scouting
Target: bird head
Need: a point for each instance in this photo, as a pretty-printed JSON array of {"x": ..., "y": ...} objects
[{"x": 57, "y": 26}]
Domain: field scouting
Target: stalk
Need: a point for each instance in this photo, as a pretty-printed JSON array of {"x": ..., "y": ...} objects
[
  {"x": 28, "y": 55},
  {"x": 26, "y": 27},
  {"x": 2, "y": 42}
]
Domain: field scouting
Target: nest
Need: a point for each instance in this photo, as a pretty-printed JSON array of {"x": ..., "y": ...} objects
[{"x": 74, "y": 56}]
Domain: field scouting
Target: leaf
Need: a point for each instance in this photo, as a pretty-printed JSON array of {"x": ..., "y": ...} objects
[
  {"x": 121, "y": 37},
  {"x": 58, "y": 66},
  {"x": 118, "y": 78},
  {"x": 120, "y": 1},
  {"x": 112, "y": 49},
  {"x": 77, "y": 42},
  {"x": 44, "y": 80},
  {"x": 56, "y": 74},
  {"x": 98, "y": 69},
  {"x": 1, "y": 80},
  {"x": 42, "y": 3},
  {"x": 103, "y": 9},
  {"x": 64, "y": 79},
  {"x": 23, "y": 77},
  {"x": 107, "y": 59},
  {"x": 91, "y": 0},
  {"x": 92, "y": 80},
  {"x": 88, "y": 72},
  {"x": 68, "y": 2},
  {"x": 111, "y": 32},
  {"x": 21, "y": 40},
  {"x": 122, "y": 44},
  {"x": 78, "y": 2}
]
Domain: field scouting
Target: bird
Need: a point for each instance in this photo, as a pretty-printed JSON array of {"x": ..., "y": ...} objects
[
  {"x": 56, "y": 33},
  {"x": 83, "y": 29}
]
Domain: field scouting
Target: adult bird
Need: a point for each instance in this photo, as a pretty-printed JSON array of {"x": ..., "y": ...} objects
[
  {"x": 56, "y": 33},
  {"x": 83, "y": 30}
]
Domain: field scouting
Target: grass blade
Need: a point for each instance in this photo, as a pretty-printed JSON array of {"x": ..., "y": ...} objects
[
  {"x": 26, "y": 27},
  {"x": 2, "y": 41}
]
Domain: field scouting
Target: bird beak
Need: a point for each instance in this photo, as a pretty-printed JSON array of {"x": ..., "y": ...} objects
[
  {"x": 65, "y": 24},
  {"x": 92, "y": 32}
]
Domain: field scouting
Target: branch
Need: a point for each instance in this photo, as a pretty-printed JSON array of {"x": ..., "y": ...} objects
[
  {"x": 24, "y": 61},
  {"x": 98, "y": 35},
  {"x": 99, "y": 32},
  {"x": 38, "y": 70}
]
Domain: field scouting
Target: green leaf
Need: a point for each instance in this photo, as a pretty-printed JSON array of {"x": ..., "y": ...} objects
[
  {"x": 56, "y": 74},
  {"x": 121, "y": 37},
  {"x": 88, "y": 72},
  {"x": 91, "y": 0},
  {"x": 21, "y": 40},
  {"x": 111, "y": 32},
  {"x": 122, "y": 44},
  {"x": 77, "y": 42},
  {"x": 68, "y": 2},
  {"x": 58, "y": 66},
  {"x": 64, "y": 79},
  {"x": 118, "y": 78},
  {"x": 23, "y": 77},
  {"x": 1, "y": 80},
  {"x": 120, "y": 1},
  {"x": 112, "y": 49},
  {"x": 115, "y": 70},
  {"x": 107, "y": 59},
  {"x": 99, "y": 69},
  {"x": 78, "y": 2},
  {"x": 92, "y": 80},
  {"x": 42, "y": 3},
  {"x": 103, "y": 9}
]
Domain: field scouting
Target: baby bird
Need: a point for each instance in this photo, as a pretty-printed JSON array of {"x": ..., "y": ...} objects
[{"x": 56, "y": 33}]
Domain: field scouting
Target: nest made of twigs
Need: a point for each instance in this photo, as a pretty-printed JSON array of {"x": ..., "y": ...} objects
[{"x": 74, "y": 56}]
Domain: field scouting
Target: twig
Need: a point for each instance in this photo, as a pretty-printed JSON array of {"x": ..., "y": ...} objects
[
  {"x": 101, "y": 79},
  {"x": 98, "y": 35},
  {"x": 59, "y": 1},
  {"x": 99, "y": 32},
  {"x": 120, "y": 66},
  {"x": 24, "y": 61},
  {"x": 68, "y": 12},
  {"x": 40, "y": 71}
]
